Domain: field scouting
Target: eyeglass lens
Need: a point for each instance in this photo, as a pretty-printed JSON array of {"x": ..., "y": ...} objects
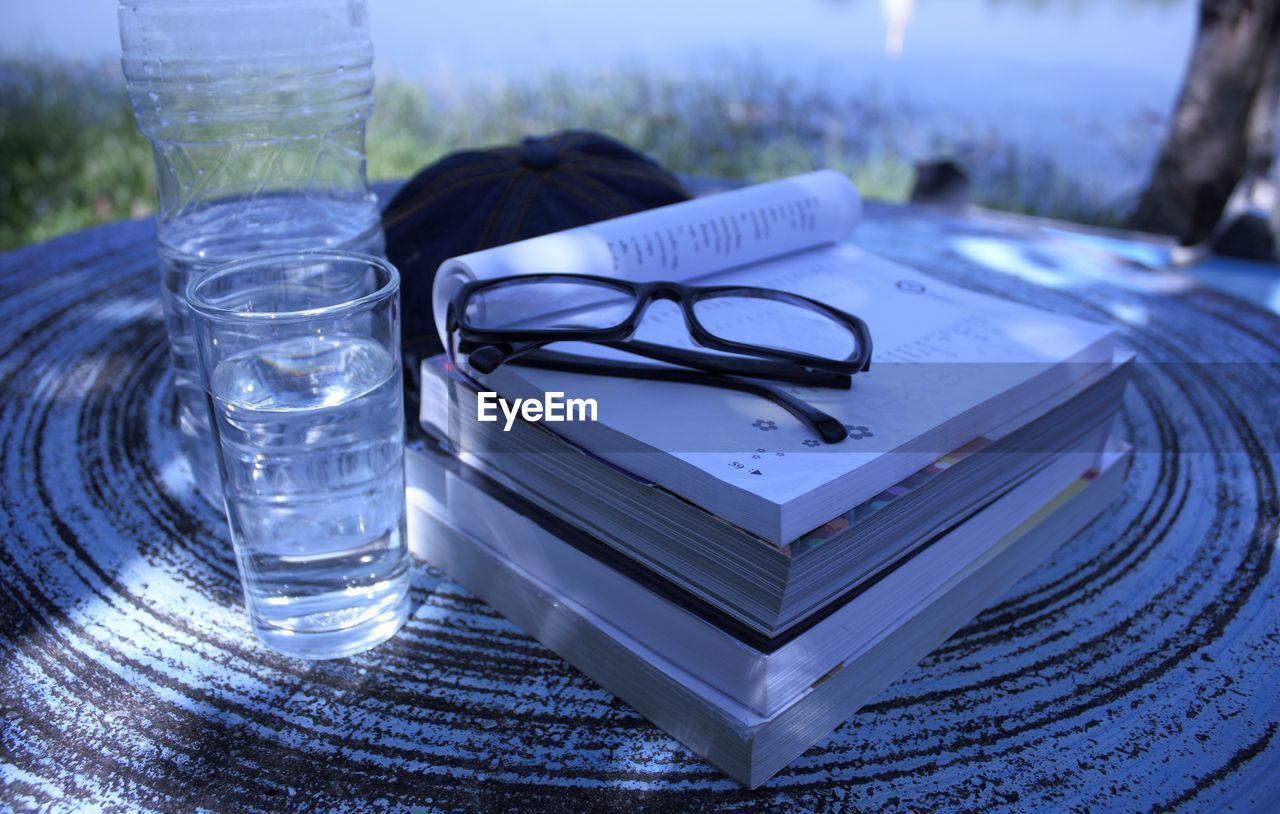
[
  {"x": 778, "y": 324},
  {"x": 548, "y": 305}
]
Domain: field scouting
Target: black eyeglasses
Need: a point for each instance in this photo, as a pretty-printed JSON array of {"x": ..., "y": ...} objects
[{"x": 759, "y": 333}]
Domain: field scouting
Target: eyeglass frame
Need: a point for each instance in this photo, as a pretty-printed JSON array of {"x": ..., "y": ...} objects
[
  {"x": 732, "y": 372},
  {"x": 686, "y": 296}
]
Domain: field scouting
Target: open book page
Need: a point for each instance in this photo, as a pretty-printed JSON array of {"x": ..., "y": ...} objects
[
  {"x": 949, "y": 365},
  {"x": 677, "y": 242}
]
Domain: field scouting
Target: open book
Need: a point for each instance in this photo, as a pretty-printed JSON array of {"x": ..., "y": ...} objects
[{"x": 950, "y": 365}]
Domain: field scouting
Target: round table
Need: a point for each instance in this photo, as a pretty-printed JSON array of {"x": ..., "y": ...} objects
[{"x": 1136, "y": 669}]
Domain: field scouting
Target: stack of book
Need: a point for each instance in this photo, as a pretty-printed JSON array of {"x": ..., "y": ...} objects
[{"x": 699, "y": 552}]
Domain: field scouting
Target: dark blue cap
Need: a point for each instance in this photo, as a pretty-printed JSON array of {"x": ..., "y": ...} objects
[{"x": 477, "y": 199}]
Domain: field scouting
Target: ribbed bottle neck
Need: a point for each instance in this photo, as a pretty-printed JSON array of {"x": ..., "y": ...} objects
[{"x": 220, "y": 70}]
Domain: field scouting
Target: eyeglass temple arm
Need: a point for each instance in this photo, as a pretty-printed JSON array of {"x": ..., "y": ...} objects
[
  {"x": 827, "y": 426},
  {"x": 735, "y": 365},
  {"x": 487, "y": 358}
]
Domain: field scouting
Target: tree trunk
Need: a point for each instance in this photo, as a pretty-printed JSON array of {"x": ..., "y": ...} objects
[
  {"x": 1205, "y": 153},
  {"x": 1260, "y": 138}
]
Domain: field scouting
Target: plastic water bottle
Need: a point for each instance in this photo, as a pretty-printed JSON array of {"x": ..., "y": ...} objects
[{"x": 256, "y": 114}]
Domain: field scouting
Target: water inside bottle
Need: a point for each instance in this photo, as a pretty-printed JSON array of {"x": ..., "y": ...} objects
[{"x": 230, "y": 230}]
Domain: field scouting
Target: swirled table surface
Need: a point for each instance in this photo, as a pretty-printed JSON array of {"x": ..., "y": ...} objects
[{"x": 1136, "y": 669}]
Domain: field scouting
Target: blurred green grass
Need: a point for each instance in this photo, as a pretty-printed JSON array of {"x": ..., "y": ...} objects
[{"x": 70, "y": 155}]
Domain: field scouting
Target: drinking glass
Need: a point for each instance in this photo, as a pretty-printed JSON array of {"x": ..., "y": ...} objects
[{"x": 299, "y": 357}]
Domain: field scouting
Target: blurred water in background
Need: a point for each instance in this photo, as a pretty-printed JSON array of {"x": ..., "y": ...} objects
[{"x": 1080, "y": 89}]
